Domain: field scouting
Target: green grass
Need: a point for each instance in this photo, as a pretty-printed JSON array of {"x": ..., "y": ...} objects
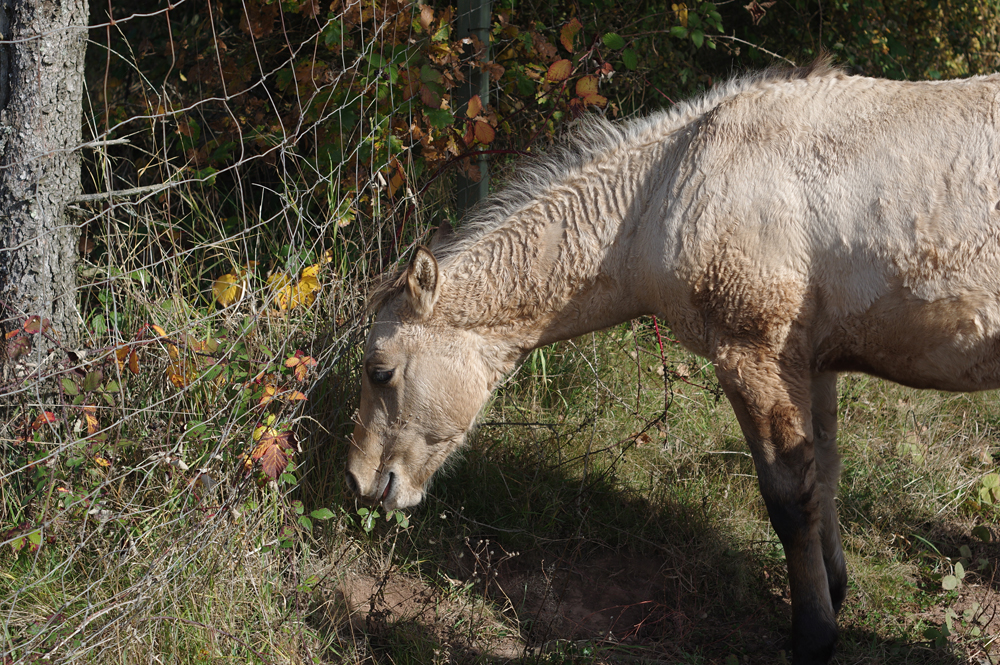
[
  {"x": 606, "y": 509},
  {"x": 583, "y": 524}
]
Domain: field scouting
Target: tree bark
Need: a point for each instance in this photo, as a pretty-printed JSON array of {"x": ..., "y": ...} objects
[{"x": 41, "y": 114}]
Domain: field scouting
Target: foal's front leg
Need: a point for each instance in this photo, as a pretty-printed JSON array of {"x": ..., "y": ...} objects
[{"x": 772, "y": 398}]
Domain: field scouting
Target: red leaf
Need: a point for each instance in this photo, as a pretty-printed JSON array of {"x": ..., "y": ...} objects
[
  {"x": 33, "y": 324},
  {"x": 45, "y": 417},
  {"x": 429, "y": 97},
  {"x": 273, "y": 451},
  {"x": 17, "y": 347}
]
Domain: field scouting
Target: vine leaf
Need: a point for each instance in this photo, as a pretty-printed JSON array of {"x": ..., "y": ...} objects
[{"x": 273, "y": 451}]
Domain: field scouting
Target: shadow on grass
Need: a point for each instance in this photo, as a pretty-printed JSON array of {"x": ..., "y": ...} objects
[{"x": 579, "y": 569}]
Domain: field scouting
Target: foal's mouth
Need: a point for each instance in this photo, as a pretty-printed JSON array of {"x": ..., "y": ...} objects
[{"x": 389, "y": 478}]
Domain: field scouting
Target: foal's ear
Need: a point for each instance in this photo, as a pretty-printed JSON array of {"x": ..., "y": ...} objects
[{"x": 422, "y": 282}]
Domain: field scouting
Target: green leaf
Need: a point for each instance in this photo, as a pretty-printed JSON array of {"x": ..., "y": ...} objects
[
  {"x": 430, "y": 75},
  {"x": 298, "y": 507},
  {"x": 991, "y": 480},
  {"x": 439, "y": 118},
  {"x": 321, "y": 514},
  {"x": 69, "y": 387},
  {"x": 959, "y": 570},
  {"x": 630, "y": 59},
  {"x": 306, "y": 523},
  {"x": 982, "y": 533},
  {"x": 92, "y": 380},
  {"x": 697, "y": 38},
  {"x": 679, "y": 31},
  {"x": 614, "y": 40},
  {"x": 949, "y": 582},
  {"x": 112, "y": 387}
]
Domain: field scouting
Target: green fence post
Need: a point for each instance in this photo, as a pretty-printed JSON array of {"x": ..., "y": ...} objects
[{"x": 473, "y": 19}]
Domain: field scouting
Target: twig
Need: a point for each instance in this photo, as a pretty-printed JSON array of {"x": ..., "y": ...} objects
[
  {"x": 101, "y": 144},
  {"x": 759, "y": 48},
  {"x": 100, "y": 196}
]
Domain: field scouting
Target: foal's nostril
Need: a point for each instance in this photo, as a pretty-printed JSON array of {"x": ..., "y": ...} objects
[{"x": 352, "y": 483}]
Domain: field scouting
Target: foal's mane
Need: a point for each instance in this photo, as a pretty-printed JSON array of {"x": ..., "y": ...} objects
[{"x": 590, "y": 139}]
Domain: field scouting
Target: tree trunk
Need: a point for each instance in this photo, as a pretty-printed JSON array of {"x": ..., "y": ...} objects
[{"x": 41, "y": 113}]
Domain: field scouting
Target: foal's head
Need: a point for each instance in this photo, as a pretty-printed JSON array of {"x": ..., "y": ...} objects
[{"x": 423, "y": 384}]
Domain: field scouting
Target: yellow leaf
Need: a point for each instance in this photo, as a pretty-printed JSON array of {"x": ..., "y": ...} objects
[
  {"x": 227, "y": 289},
  {"x": 293, "y": 395},
  {"x": 180, "y": 373},
  {"x": 269, "y": 393},
  {"x": 559, "y": 71},
  {"x": 475, "y": 106},
  {"x": 121, "y": 353},
  {"x": 682, "y": 13},
  {"x": 586, "y": 86},
  {"x": 568, "y": 32},
  {"x": 101, "y": 461},
  {"x": 90, "y": 415},
  {"x": 281, "y": 287},
  {"x": 158, "y": 330}
]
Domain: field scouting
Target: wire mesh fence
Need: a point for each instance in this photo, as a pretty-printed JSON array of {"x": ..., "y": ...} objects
[{"x": 170, "y": 478}]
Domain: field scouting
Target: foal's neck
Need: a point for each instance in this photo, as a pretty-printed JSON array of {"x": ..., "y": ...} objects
[{"x": 559, "y": 268}]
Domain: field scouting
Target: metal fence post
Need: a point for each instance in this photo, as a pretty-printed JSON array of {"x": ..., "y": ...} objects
[{"x": 473, "y": 19}]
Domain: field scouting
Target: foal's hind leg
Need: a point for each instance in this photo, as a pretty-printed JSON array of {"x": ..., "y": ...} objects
[
  {"x": 772, "y": 397},
  {"x": 824, "y": 418}
]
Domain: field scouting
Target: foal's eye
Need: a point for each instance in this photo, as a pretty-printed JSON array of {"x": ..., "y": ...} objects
[{"x": 381, "y": 376}]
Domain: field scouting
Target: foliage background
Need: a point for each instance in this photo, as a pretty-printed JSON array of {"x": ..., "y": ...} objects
[{"x": 175, "y": 487}]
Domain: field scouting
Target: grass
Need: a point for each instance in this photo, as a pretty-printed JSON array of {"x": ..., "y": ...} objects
[
  {"x": 583, "y": 524},
  {"x": 606, "y": 509}
]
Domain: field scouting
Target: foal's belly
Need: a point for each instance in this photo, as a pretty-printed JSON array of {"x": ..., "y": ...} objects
[{"x": 947, "y": 344}]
